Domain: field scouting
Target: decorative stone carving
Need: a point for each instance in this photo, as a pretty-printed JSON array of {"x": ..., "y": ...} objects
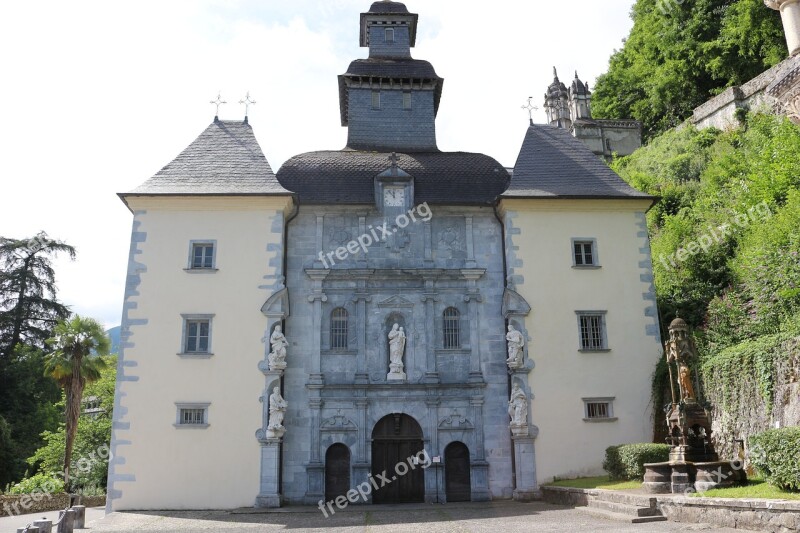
[
  {"x": 397, "y": 240},
  {"x": 450, "y": 239},
  {"x": 397, "y": 345},
  {"x": 455, "y": 420},
  {"x": 277, "y": 356},
  {"x": 338, "y": 422},
  {"x": 277, "y": 410},
  {"x": 515, "y": 343},
  {"x": 518, "y": 411}
]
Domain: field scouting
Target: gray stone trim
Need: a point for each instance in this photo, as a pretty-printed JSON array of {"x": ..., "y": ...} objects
[
  {"x": 191, "y": 405},
  {"x": 120, "y": 420},
  {"x": 512, "y": 262},
  {"x": 646, "y": 276},
  {"x": 595, "y": 255}
]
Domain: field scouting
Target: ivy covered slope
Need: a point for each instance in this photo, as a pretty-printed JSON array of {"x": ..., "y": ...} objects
[
  {"x": 726, "y": 243},
  {"x": 681, "y": 53}
]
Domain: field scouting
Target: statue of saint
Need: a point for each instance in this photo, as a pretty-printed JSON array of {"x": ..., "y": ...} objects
[
  {"x": 685, "y": 380},
  {"x": 397, "y": 344},
  {"x": 277, "y": 409},
  {"x": 277, "y": 357},
  {"x": 515, "y": 344},
  {"x": 518, "y": 407}
]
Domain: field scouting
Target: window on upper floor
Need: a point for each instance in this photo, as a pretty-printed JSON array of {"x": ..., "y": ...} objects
[
  {"x": 376, "y": 99},
  {"x": 591, "y": 325},
  {"x": 196, "y": 335},
  {"x": 406, "y": 99},
  {"x": 339, "y": 329},
  {"x": 584, "y": 253},
  {"x": 451, "y": 328},
  {"x": 202, "y": 255},
  {"x": 598, "y": 409},
  {"x": 389, "y": 35}
]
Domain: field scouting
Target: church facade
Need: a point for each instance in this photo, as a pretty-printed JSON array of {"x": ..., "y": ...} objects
[{"x": 385, "y": 323}]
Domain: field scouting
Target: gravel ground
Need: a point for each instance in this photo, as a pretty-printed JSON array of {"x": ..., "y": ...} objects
[{"x": 506, "y": 517}]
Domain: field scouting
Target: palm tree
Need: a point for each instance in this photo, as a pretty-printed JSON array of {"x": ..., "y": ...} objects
[{"x": 78, "y": 345}]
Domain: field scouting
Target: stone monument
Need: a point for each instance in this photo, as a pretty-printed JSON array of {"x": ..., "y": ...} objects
[
  {"x": 397, "y": 345},
  {"x": 518, "y": 411},
  {"x": 277, "y": 355},
  {"x": 693, "y": 463},
  {"x": 515, "y": 343},
  {"x": 277, "y": 410}
]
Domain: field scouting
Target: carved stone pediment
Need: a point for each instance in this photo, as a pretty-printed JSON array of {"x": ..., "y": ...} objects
[
  {"x": 514, "y": 304},
  {"x": 455, "y": 421},
  {"x": 277, "y": 305},
  {"x": 396, "y": 301},
  {"x": 338, "y": 423}
]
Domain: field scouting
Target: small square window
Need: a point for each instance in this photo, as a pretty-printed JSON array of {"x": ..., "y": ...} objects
[
  {"x": 202, "y": 256},
  {"x": 376, "y": 99},
  {"x": 389, "y": 35},
  {"x": 192, "y": 415},
  {"x": 196, "y": 336},
  {"x": 584, "y": 253},
  {"x": 407, "y": 100},
  {"x": 591, "y": 325},
  {"x": 598, "y": 409}
]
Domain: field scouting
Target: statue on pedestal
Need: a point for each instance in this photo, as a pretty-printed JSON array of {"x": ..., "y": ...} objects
[
  {"x": 277, "y": 355},
  {"x": 397, "y": 345},
  {"x": 277, "y": 410},
  {"x": 518, "y": 411},
  {"x": 515, "y": 344}
]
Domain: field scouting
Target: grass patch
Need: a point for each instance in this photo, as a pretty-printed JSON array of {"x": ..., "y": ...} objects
[
  {"x": 599, "y": 482},
  {"x": 755, "y": 488}
]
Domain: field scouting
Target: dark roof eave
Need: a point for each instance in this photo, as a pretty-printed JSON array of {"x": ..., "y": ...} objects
[{"x": 532, "y": 196}]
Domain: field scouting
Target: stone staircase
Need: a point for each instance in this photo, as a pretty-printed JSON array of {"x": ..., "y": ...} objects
[{"x": 633, "y": 508}]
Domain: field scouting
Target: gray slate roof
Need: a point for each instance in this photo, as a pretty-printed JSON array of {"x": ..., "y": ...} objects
[
  {"x": 347, "y": 176},
  {"x": 388, "y": 7},
  {"x": 224, "y": 159},
  {"x": 554, "y": 164}
]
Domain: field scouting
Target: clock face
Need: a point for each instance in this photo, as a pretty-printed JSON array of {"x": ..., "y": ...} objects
[{"x": 394, "y": 197}]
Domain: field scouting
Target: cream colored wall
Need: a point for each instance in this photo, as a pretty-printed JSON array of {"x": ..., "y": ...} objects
[
  {"x": 567, "y": 446},
  {"x": 216, "y": 467}
]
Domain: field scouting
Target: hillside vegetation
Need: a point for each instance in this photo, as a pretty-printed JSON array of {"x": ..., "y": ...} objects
[{"x": 680, "y": 53}]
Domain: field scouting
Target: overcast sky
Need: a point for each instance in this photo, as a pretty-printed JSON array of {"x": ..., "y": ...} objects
[{"x": 97, "y": 96}]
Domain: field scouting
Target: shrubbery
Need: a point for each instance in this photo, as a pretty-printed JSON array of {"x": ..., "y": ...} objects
[
  {"x": 42, "y": 483},
  {"x": 626, "y": 461},
  {"x": 775, "y": 453}
]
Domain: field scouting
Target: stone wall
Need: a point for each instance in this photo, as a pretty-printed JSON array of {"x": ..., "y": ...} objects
[
  {"x": 754, "y": 515},
  {"x": 12, "y": 505}
]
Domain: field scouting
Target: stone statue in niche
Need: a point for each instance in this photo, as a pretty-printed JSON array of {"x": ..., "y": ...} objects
[
  {"x": 518, "y": 411},
  {"x": 515, "y": 344},
  {"x": 277, "y": 410},
  {"x": 685, "y": 380},
  {"x": 397, "y": 345},
  {"x": 277, "y": 355}
]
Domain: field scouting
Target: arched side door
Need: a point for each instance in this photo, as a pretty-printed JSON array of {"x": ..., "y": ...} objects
[
  {"x": 457, "y": 473},
  {"x": 337, "y": 471}
]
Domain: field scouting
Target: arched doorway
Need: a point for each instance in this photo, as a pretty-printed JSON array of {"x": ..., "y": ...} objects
[
  {"x": 457, "y": 473},
  {"x": 337, "y": 471},
  {"x": 395, "y": 439}
]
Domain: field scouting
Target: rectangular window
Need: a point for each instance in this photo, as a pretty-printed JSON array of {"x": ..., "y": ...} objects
[
  {"x": 406, "y": 99},
  {"x": 592, "y": 330},
  {"x": 376, "y": 99},
  {"x": 389, "y": 35},
  {"x": 192, "y": 415},
  {"x": 201, "y": 255},
  {"x": 584, "y": 253},
  {"x": 598, "y": 409},
  {"x": 197, "y": 334}
]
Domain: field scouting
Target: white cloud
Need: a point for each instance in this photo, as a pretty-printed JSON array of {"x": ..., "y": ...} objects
[{"x": 99, "y": 95}]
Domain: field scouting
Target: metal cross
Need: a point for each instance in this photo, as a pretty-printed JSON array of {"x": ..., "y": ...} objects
[
  {"x": 393, "y": 158},
  {"x": 247, "y": 103},
  {"x": 531, "y": 108},
  {"x": 218, "y": 102}
]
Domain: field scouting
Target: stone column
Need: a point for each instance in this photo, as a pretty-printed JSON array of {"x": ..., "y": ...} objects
[
  {"x": 429, "y": 298},
  {"x": 434, "y": 488},
  {"x": 479, "y": 468},
  {"x": 315, "y": 469},
  {"x": 525, "y": 467},
  {"x": 470, "y": 243},
  {"x": 361, "y": 465},
  {"x": 361, "y": 299},
  {"x": 317, "y": 297},
  {"x": 428, "y": 244},
  {"x": 472, "y": 298},
  {"x": 270, "y": 490},
  {"x": 790, "y": 15}
]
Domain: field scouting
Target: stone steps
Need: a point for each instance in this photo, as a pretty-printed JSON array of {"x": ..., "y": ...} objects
[{"x": 633, "y": 508}]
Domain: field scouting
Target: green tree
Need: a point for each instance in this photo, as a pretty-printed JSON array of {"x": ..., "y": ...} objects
[
  {"x": 78, "y": 345},
  {"x": 678, "y": 54}
]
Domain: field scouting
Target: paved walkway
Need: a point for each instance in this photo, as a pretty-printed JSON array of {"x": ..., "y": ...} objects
[{"x": 503, "y": 516}]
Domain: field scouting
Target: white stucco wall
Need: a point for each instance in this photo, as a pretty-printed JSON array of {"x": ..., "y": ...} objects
[
  {"x": 219, "y": 466},
  {"x": 540, "y": 232}
]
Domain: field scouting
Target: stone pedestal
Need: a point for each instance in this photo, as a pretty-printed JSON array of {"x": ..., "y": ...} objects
[
  {"x": 681, "y": 478},
  {"x": 45, "y": 526},
  {"x": 361, "y": 473},
  {"x": 657, "y": 478},
  {"x": 270, "y": 494},
  {"x": 396, "y": 376},
  {"x": 66, "y": 521},
  {"x": 80, "y": 516},
  {"x": 479, "y": 475},
  {"x": 435, "y": 484},
  {"x": 715, "y": 475},
  {"x": 525, "y": 468}
]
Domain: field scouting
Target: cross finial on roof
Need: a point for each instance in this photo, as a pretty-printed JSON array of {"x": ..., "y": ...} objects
[
  {"x": 530, "y": 107},
  {"x": 247, "y": 101},
  {"x": 555, "y": 73},
  {"x": 394, "y": 159},
  {"x": 218, "y": 102}
]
